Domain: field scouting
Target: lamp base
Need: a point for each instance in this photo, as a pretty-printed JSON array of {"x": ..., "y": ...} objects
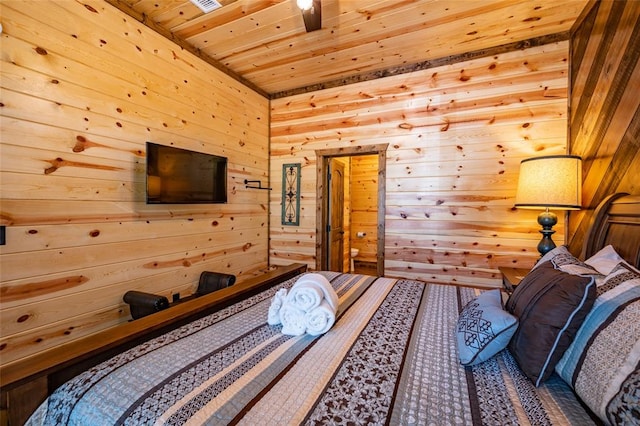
[{"x": 547, "y": 220}]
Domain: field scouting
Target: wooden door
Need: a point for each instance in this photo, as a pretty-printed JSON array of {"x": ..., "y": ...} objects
[{"x": 336, "y": 216}]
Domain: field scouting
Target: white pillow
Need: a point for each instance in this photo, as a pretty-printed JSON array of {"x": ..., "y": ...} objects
[{"x": 605, "y": 260}]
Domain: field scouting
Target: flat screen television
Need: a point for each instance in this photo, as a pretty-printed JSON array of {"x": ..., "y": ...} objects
[{"x": 181, "y": 176}]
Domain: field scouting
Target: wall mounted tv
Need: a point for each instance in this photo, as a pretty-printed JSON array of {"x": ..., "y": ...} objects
[{"x": 180, "y": 176}]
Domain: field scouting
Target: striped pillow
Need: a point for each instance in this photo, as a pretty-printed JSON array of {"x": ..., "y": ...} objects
[{"x": 602, "y": 364}]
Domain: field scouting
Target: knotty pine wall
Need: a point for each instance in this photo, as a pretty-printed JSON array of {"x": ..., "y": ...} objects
[
  {"x": 83, "y": 88},
  {"x": 605, "y": 107},
  {"x": 364, "y": 206},
  {"x": 456, "y": 135}
]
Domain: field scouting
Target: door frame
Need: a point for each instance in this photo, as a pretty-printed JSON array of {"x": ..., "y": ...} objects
[{"x": 322, "y": 193}]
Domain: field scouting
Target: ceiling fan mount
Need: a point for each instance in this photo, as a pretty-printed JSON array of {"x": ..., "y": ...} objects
[{"x": 312, "y": 15}]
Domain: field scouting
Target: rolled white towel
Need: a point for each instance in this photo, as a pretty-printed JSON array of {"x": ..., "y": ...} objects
[
  {"x": 292, "y": 319},
  {"x": 273, "y": 316},
  {"x": 305, "y": 295},
  {"x": 320, "y": 319},
  {"x": 323, "y": 284}
]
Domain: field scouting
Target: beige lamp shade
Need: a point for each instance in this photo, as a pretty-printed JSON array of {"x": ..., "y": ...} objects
[{"x": 553, "y": 181}]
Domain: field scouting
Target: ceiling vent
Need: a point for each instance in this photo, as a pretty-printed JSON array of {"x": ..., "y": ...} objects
[{"x": 207, "y": 5}]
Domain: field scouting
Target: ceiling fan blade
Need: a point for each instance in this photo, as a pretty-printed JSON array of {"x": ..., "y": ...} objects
[{"x": 313, "y": 17}]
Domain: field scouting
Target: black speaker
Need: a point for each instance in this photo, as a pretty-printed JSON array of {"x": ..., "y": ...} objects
[
  {"x": 143, "y": 304},
  {"x": 212, "y": 281}
]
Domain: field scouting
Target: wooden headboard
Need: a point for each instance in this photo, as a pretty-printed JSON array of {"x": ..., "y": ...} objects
[{"x": 617, "y": 222}]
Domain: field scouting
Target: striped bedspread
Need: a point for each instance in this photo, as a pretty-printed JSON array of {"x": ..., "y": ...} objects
[{"x": 390, "y": 358}]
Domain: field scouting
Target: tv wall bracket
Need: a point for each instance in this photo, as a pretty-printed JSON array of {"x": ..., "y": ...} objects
[{"x": 246, "y": 182}]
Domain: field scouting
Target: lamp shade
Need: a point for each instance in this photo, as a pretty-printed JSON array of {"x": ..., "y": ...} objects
[{"x": 553, "y": 181}]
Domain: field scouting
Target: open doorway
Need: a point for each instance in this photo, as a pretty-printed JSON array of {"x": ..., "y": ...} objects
[{"x": 324, "y": 211}]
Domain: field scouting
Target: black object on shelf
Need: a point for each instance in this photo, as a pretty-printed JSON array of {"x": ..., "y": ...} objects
[
  {"x": 143, "y": 304},
  {"x": 212, "y": 281}
]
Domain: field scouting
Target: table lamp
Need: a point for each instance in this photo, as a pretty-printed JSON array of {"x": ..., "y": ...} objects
[{"x": 553, "y": 181}]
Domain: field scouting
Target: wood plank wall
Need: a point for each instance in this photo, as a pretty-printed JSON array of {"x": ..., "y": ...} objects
[
  {"x": 83, "y": 87},
  {"x": 605, "y": 107},
  {"x": 364, "y": 206},
  {"x": 456, "y": 135}
]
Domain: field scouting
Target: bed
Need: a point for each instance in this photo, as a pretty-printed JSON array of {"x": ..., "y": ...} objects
[{"x": 393, "y": 356}]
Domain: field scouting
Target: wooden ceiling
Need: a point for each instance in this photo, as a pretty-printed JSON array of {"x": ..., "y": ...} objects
[{"x": 264, "y": 42}]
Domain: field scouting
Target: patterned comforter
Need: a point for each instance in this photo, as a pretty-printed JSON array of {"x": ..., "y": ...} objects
[{"x": 390, "y": 358}]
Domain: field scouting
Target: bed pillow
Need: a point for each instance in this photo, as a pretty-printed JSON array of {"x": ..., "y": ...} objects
[
  {"x": 564, "y": 261},
  {"x": 560, "y": 253},
  {"x": 605, "y": 260},
  {"x": 557, "y": 251},
  {"x": 603, "y": 362},
  {"x": 484, "y": 328},
  {"x": 550, "y": 305}
]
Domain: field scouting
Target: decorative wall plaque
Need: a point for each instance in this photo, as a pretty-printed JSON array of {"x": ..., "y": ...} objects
[{"x": 291, "y": 194}]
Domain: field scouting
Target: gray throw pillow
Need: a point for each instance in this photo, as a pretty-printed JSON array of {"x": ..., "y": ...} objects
[{"x": 484, "y": 328}]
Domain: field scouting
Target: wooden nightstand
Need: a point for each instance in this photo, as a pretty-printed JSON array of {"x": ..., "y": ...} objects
[{"x": 511, "y": 277}]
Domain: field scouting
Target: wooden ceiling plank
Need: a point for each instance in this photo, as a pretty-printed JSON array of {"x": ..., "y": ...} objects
[
  {"x": 341, "y": 31},
  {"x": 183, "y": 12},
  {"x": 153, "y": 8},
  {"x": 324, "y": 76},
  {"x": 349, "y": 34},
  {"x": 266, "y": 26},
  {"x": 231, "y": 13},
  {"x": 421, "y": 43},
  {"x": 265, "y": 41}
]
